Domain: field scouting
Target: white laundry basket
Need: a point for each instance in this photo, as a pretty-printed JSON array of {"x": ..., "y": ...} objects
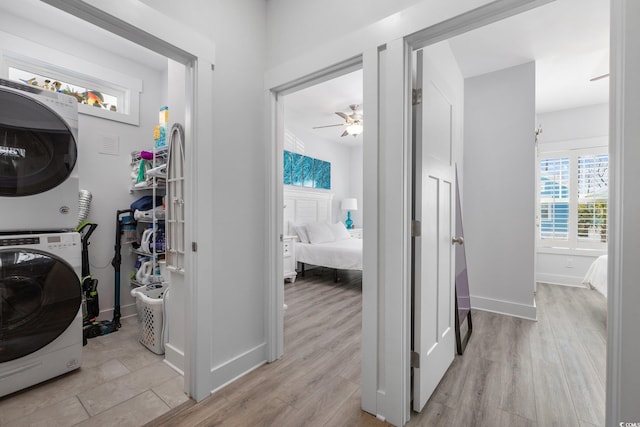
[{"x": 149, "y": 300}]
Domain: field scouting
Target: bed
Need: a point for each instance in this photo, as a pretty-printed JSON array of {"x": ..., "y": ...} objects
[
  {"x": 341, "y": 255},
  {"x": 597, "y": 275},
  {"x": 321, "y": 242}
]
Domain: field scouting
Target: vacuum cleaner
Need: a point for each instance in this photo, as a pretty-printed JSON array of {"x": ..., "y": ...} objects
[{"x": 94, "y": 328}]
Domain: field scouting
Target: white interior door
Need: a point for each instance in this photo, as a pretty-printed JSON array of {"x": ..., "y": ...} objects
[{"x": 437, "y": 128}]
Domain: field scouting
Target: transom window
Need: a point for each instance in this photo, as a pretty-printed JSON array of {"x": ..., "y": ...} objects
[{"x": 84, "y": 95}]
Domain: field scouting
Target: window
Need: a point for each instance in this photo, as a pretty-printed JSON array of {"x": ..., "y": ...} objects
[
  {"x": 573, "y": 199},
  {"x": 84, "y": 95},
  {"x": 100, "y": 92},
  {"x": 593, "y": 190}
]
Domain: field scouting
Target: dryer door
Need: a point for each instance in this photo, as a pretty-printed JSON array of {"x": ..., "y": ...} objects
[
  {"x": 40, "y": 295},
  {"x": 37, "y": 148}
]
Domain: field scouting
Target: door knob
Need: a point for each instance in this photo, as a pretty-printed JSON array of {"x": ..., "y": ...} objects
[{"x": 457, "y": 239}]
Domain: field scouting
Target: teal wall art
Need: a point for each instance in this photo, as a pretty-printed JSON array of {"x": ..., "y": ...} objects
[{"x": 304, "y": 171}]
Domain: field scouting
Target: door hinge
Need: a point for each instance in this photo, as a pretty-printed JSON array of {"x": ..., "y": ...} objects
[
  {"x": 415, "y": 359},
  {"x": 416, "y": 228},
  {"x": 416, "y": 96},
  {"x": 194, "y": 246}
]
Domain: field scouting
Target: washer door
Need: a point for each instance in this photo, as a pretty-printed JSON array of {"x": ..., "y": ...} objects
[
  {"x": 37, "y": 148},
  {"x": 40, "y": 295}
]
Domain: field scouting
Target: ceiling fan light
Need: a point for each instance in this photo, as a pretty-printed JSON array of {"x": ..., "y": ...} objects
[{"x": 354, "y": 129}]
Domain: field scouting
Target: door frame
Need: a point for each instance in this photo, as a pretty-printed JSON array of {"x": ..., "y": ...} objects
[
  {"x": 195, "y": 52},
  {"x": 274, "y": 220}
]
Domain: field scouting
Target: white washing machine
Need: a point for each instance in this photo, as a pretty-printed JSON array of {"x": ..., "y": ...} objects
[
  {"x": 40, "y": 308},
  {"x": 38, "y": 152}
]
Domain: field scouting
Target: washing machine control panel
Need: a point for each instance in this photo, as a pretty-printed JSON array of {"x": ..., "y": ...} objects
[
  {"x": 20, "y": 241},
  {"x": 66, "y": 245},
  {"x": 62, "y": 241}
]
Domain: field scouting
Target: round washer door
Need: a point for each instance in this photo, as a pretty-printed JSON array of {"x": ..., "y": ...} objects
[
  {"x": 37, "y": 149},
  {"x": 40, "y": 295}
]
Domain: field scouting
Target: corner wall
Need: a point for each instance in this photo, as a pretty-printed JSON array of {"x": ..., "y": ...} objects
[
  {"x": 499, "y": 197},
  {"x": 236, "y": 185}
]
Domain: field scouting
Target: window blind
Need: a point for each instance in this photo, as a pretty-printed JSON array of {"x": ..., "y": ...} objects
[
  {"x": 593, "y": 193},
  {"x": 554, "y": 195}
]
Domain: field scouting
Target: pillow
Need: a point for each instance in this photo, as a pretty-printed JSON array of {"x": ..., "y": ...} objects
[
  {"x": 339, "y": 231},
  {"x": 319, "y": 232},
  {"x": 301, "y": 231}
]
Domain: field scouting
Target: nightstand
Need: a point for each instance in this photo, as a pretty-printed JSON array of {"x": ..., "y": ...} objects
[
  {"x": 356, "y": 233},
  {"x": 289, "y": 257}
]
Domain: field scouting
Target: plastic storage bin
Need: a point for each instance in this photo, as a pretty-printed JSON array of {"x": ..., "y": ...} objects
[{"x": 149, "y": 302}]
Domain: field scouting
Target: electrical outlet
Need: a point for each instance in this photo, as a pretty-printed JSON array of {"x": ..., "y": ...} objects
[{"x": 569, "y": 262}]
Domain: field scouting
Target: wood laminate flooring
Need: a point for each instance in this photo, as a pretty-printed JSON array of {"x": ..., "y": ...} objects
[{"x": 514, "y": 372}]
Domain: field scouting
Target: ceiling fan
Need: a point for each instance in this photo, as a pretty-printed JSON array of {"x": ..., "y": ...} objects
[{"x": 353, "y": 122}]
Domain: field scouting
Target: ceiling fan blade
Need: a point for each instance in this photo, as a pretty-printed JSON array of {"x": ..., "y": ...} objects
[
  {"x": 327, "y": 126},
  {"x": 345, "y": 133},
  {"x": 599, "y": 77},
  {"x": 343, "y": 115}
]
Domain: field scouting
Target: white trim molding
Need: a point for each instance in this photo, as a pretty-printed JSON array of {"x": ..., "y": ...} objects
[
  {"x": 623, "y": 340},
  {"x": 237, "y": 367},
  {"x": 504, "y": 307}
]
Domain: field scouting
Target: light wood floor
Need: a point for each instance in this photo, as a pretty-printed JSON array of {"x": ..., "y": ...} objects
[
  {"x": 120, "y": 383},
  {"x": 514, "y": 372}
]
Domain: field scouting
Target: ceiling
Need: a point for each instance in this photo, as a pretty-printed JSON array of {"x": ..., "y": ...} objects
[
  {"x": 74, "y": 28},
  {"x": 568, "y": 39}
]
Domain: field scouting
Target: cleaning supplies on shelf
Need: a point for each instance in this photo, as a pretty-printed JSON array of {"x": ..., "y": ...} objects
[
  {"x": 159, "y": 171},
  {"x": 160, "y": 131},
  {"x": 148, "y": 214}
]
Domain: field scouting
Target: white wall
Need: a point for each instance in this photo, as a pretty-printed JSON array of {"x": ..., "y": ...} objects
[
  {"x": 583, "y": 127},
  {"x": 499, "y": 193},
  {"x": 296, "y": 25},
  {"x": 573, "y": 124},
  {"x": 105, "y": 176},
  {"x": 237, "y": 185}
]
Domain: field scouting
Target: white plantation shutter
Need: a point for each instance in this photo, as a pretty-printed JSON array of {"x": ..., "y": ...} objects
[
  {"x": 593, "y": 192},
  {"x": 554, "y": 194},
  {"x": 573, "y": 199}
]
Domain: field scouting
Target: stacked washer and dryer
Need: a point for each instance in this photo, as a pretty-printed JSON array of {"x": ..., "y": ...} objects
[{"x": 40, "y": 253}]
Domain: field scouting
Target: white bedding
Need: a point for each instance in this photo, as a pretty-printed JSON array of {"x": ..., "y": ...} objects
[
  {"x": 597, "y": 275},
  {"x": 342, "y": 254}
]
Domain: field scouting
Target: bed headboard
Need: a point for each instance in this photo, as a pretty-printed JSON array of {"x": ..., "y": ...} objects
[{"x": 303, "y": 205}]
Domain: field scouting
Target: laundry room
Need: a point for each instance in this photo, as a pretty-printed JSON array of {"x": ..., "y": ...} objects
[{"x": 127, "y": 98}]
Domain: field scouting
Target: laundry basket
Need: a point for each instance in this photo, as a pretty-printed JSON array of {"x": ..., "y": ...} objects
[{"x": 149, "y": 301}]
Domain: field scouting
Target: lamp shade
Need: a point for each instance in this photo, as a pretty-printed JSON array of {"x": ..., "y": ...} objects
[{"x": 349, "y": 204}]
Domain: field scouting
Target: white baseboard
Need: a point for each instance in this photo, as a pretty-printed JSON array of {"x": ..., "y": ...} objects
[
  {"x": 237, "y": 367},
  {"x": 125, "y": 311},
  {"x": 504, "y": 307},
  {"x": 560, "y": 279},
  {"x": 174, "y": 357}
]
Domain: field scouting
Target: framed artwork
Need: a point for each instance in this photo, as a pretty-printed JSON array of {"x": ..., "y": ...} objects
[{"x": 304, "y": 171}]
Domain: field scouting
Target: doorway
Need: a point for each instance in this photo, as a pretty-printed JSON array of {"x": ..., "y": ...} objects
[
  {"x": 319, "y": 176},
  {"x": 195, "y": 64}
]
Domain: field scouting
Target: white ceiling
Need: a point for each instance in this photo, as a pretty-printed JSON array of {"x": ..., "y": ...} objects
[
  {"x": 76, "y": 29},
  {"x": 568, "y": 39}
]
